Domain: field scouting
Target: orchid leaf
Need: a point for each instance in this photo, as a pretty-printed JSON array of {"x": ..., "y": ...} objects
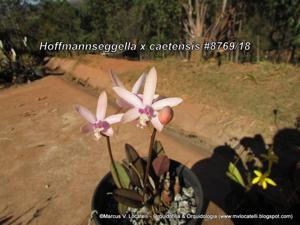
[
  {"x": 158, "y": 149},
  {"x": 232, "y": 177},
  {"x": 134, "y": 158},
  {"x": 151, "y": 182},
  {"x": 131, "y": 153},
  {"x": 122, "y": 208},
  {"x": 134, "y": 175},
  {"x": 270, "y": 157},
  {"x": 128, "y": 197},
  {"x": 234, "y": 174},
  {"x": 120, "y": 175},
  {"x": 161, "y": 165}
]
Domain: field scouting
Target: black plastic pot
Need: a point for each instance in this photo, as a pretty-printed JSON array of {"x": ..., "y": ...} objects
[{"x": 104, "y": 204}]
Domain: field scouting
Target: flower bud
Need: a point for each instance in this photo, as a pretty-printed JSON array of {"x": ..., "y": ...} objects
[{"x": 165, "y": 115}]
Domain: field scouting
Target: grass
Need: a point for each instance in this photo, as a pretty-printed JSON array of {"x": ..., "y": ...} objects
[{"x": 253, "y": 90}]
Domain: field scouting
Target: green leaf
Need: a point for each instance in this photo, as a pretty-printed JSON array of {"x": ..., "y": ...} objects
[
  {"x": 235, "y": 174},
  {"x": 122, "y": 208},
  {"x": 120, "y": 175},
  {"x": 232, "y": 177},
  {"x": 128, "y": 197},
  {"x": 270, "y": 156},
  {"x": 134, "y": 158},
  {"x": 158, "y": 149}
]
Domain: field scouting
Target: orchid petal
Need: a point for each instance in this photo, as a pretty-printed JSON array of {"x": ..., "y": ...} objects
[
  {"x": 85, "y": 113},
  {"x": 255, "y": 180},
  {"x": 115, "y": 79},
  {"x": 122, "y": 103},
  {"x": 101, "y": 106},
  {"x": 150, "y": 86},
  {"x": 114, "y": 118},
  {"x": 137, "y": 86},
  {"x": 130, "y": 115},
  {"x": 140, "y": 96},
  {"x": 109, "y": 132},
  {"x": 257, "y": 173},
  {"x": 157, "y": 124},
  {"x": 270, "y": 181},
  {"x": 128, "y": 97},
  {"x": 264, "y": 184},
  {"x": 156, "y": 97},
  {"x": 166, "y": 102},
  {"x": 87, "y": 128}
]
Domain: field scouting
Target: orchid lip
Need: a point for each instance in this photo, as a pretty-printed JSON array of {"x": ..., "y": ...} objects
[
  {"x": 103, "y": 125},
  {"x": 148, "y": 110},
  {"x": 146, "y": 114}
]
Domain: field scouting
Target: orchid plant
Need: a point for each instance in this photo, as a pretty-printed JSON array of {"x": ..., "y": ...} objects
[
  {"x": 136, "y": 185},
  {"x": 254, "y": 176}
]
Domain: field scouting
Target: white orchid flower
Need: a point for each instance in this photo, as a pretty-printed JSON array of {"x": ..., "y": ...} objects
[
  {"x": 146, "y": 109},
  {"x": 99, "y": 124}
]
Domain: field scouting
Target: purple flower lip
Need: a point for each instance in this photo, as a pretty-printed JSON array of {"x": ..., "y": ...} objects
[
  {"x": 148, "y": 110},
  {"x": 102, "y": 124}
]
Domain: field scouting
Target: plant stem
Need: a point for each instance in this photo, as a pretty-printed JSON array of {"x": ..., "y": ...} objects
[
  {"x": 149, "y": 159},
  {"x": 111, "y": 158},
  {"x": 270, "y": 162}
]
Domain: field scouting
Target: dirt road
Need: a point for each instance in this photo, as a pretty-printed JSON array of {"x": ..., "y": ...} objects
[{"x": 48, "y": 169}]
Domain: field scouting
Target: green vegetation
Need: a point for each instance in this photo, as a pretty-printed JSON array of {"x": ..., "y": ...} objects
[
  {"x": 248, "y": 89},
  {"x": 256, "y": 89},
  {"x": 273, "y": 27}
]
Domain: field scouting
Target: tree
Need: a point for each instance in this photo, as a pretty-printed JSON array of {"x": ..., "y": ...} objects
[
  {"x": 194, "y": 25},
  {"x": 161, "y": 22},
  {"x": 285, "y": 20},
  {"x": 201, "y": 26}
]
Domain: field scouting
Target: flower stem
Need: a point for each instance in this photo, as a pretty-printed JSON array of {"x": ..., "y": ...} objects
[
  {"x": 270, "y": 162},
  {"x": 149, "y": 159},
  {"x": 111, "y": 158}
]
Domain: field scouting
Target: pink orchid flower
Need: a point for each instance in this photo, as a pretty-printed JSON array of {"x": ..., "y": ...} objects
[
  {"x": 135, "y": 89},
  {"x": 99, "y": 124},
  {"x": 146, "y": 109}
]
